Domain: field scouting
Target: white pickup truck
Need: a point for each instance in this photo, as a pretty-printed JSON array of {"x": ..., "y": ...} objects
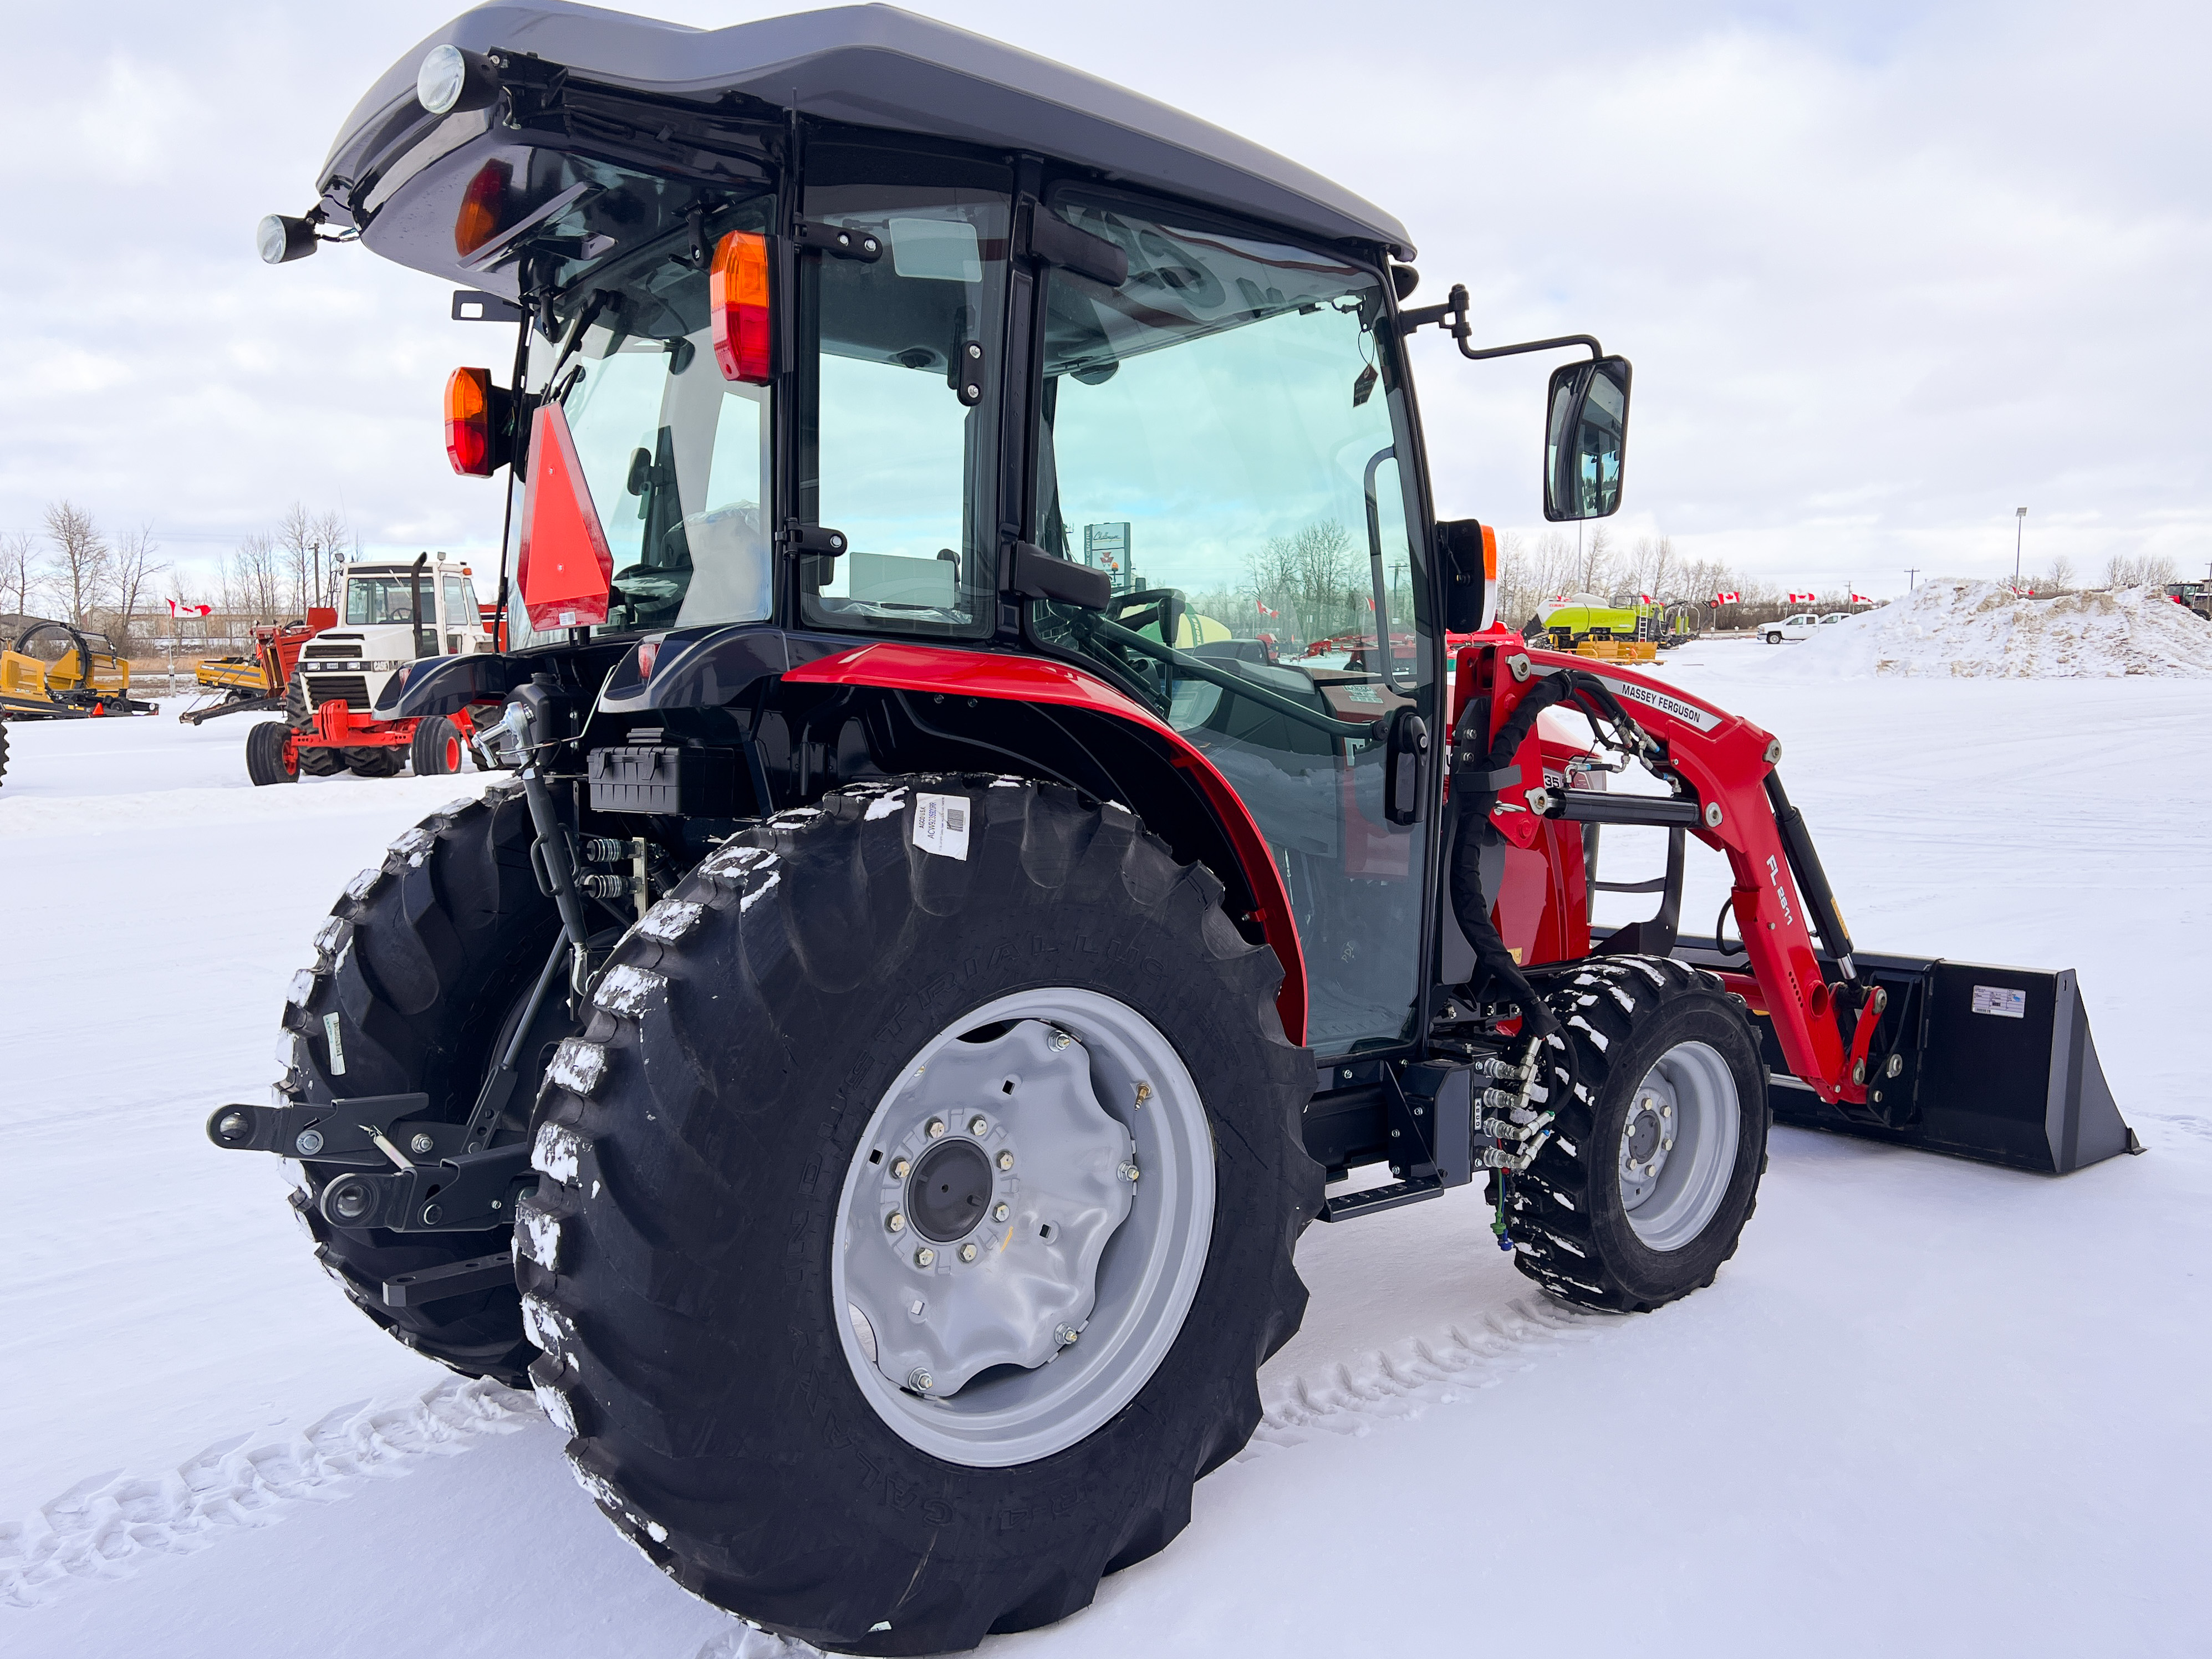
[{"x": 1799, "y": 627}]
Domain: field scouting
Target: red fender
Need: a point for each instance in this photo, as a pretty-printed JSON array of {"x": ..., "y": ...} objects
[{"x": 902, "y": 667}]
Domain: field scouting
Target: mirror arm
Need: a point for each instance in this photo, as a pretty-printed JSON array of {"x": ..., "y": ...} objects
[{"x": 1452, "y": 314}]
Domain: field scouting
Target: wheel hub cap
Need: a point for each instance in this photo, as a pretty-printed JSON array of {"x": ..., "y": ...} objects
[
  {"x": 949, "y": 1190},
  {"x": 1678, "y": 1145},
  {"x": 1022, "y": 1227}
]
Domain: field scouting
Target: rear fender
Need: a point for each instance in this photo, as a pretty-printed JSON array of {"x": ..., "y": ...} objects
[{"x": 936, "y": 671}]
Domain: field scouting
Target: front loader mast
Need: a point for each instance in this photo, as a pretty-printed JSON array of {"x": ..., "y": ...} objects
[{"x": 1725, "y": 790}]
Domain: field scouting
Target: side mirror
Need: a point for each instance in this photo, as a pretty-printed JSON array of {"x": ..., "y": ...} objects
[{"x": 1586, "y": 440}]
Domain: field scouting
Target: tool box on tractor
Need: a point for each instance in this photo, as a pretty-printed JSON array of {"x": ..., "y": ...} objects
[
  {"x": 869, "y": 1070},
  {"x": 327, "y": 679}
]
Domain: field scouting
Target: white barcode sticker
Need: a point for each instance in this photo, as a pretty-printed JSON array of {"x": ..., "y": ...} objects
[
  {"x": 940, "y": 824},
  {"x": 1997, "y": 999}
]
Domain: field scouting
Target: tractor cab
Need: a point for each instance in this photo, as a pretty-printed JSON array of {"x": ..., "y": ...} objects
[{"x": 390, "y": 617}]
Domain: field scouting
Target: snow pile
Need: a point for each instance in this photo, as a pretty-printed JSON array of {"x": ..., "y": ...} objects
[{"x": 1973, "y": 629}]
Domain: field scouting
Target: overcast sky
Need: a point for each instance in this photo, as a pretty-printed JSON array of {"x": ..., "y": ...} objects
[{"x": 1886, "y": 272}]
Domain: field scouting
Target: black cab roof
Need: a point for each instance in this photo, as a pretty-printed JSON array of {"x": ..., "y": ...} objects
[{"x": 867, "y": 65}]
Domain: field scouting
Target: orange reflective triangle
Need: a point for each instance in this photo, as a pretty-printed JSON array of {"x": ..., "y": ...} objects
[{"x": 563, "y": 564}]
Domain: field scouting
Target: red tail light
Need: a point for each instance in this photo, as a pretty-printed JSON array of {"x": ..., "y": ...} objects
[
  {"x": 737, "y": 300},
  {"x": 477, "y": 222},
  {"x": 474, "y": 408}
]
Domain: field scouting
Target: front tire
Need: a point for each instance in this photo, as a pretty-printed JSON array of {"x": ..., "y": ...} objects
[
  {"x": 1659, "y": 1140},
  {"x": 718, "y": 1147},
  {"x": 435, "y": 751},
  {"x": 264, "y": 755}
]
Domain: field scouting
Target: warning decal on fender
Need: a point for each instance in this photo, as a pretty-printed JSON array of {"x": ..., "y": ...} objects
[
  {"x": 1997, "y": 999},
  {"x": 940, "y": 824}
]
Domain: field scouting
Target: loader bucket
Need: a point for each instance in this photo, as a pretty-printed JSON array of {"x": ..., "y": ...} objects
[{"x": 1991, "y": 1063}]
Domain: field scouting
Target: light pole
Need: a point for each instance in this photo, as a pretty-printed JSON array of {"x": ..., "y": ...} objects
[{"x": 2019, "y": 529}]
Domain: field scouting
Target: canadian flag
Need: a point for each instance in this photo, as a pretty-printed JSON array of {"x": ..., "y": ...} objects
[
  {"x": 1803, "y": 598},
  {"x": 1643, "y": 598},
  {"x": 1861, "y": 598},
  {"x": 1263, "y": 609},
  {"x": 1726, "y": 598},
  {"x": 177, "y": 610}
]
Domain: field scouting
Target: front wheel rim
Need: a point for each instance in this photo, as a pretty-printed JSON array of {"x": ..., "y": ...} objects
[
  {"x": 1678, "y": 1145},
  {"x": 1037, "y": 1322}
]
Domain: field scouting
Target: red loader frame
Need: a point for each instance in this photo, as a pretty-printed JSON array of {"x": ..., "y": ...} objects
[{"x": 1732, "y": 803}]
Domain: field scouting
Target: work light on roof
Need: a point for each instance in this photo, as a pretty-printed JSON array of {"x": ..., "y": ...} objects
[
  {"x": 452, "y": 79},
  {"x": 282, "y": 239}
]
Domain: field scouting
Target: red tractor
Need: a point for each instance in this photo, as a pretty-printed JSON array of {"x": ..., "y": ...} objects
[{"x": 869, "y": 1070}]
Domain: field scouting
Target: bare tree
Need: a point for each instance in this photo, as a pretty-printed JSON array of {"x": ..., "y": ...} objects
[
  {"x": 2059, "y": 576},
  {"x": 2144, "y": 570},
  {"x": 79, "y": 564},
  {"x": 19, "y": 572},
  {"x": 253, "y": 579},
  {"x": 133, "y": 568}
]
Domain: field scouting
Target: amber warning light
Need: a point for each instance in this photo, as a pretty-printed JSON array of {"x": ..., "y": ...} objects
[
  {"x": 737, "y": 296},
  {"x": 477, "y": 423}
]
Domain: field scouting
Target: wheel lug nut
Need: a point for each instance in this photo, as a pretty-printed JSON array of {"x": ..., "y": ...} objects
[
  {"x": 998, "y": 1212},
  {"x": 899, "y": 1167},
  {"x": 1005, "y": 1160},
  {"x": 919, "y": 1381},
  {"x": 967, "y": 1252},
  {"x": 925, "y": 1257},
  {"x": 422, "y": 1145},
  {"x": 934, "y": 1127},
  {"x": 1668, "y": 1144},
  {"x": 979, "y": 1126},
  {"x": 896, "y": 1222}
]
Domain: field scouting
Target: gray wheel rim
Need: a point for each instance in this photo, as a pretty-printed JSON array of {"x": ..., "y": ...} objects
[
  {"x": 1034, "y": 1328},
  {"x": 1678, "y": 1145}
]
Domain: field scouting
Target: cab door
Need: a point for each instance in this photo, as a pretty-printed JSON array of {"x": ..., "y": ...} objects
[{"x": 1226, "y": 434}]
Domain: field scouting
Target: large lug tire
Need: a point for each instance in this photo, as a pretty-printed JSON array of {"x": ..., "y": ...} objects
[
  {"x": 435, "y": 751},
  {"x": 374, "y": 760},
  {"x": 313, "y": 763},
  {"x": 1659, "y": 1141},
  {"x": 424, "y": 966},
  {"x": 264, "y": 754},
  {"x": 746, "y": 1079}
]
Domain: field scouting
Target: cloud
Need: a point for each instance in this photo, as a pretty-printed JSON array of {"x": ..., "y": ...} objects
[{"x": 1886, "y": 272}]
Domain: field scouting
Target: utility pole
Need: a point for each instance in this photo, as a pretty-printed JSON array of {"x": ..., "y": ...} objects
[
  {"x": 1909, "y": 575},
  {"x": 2019, "y": 529}
]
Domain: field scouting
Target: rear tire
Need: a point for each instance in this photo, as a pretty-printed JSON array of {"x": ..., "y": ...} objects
[
  {"x": 422, "y": 967},
  {"x": 698, "y": 1142},
  {"x": 435, "y": 751},
  {"x": 1627, "y": 1207},
  {"x": 264, "y": 754},
  {"x": 374, "y": 760}
]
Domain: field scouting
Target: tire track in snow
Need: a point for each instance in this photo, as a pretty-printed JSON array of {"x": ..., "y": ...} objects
[
  {"x": 1405, "y": 1380},
  {"x": 101, "y": 1527}
]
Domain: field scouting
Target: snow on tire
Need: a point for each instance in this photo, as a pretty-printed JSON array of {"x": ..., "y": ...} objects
[
  {"x": 1659, "y": 1138},
  {"x": 699, "y": 1141}
]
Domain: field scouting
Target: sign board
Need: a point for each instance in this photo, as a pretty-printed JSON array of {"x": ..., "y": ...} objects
[{"x": 1106, "y": 547}]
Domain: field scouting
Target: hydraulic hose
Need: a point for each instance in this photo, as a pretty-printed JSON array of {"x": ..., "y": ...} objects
[{"x": 1476, "y": 781}]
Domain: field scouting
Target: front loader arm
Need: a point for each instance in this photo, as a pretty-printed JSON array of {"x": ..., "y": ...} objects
[{"x": 1724, "y": 768}]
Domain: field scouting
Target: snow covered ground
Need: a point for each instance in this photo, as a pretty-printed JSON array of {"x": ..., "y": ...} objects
[{"x": 1930, "y": 1408}]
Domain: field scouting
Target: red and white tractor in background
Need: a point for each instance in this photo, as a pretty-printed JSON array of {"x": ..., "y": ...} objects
[{"x": 395, "y": 615}]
